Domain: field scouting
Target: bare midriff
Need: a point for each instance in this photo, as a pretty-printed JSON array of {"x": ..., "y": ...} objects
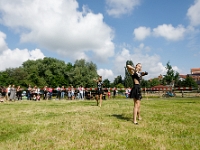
[{"x": 136, "y": 81}]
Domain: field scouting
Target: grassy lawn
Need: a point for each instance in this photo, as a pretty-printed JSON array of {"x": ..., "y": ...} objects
[{"x": 73, "y": 125}]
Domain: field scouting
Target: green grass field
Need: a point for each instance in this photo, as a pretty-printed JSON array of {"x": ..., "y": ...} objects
[{"x": 167, "y": 124}]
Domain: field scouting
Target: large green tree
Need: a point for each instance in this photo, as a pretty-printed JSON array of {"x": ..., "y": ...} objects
[
  {"x": 154, "y": 82},
  {"x": 145, "y": 84},
  {"x": 50, "y": 72},
  {"x": 128, "y": 82},
  {"x": 188, "y": 82},
  {"x": 118, "y": 80},
  {"x": 83, "y": 74},
  {"x": 106, "y": 83},
  {"x": 171, "y": 76}
]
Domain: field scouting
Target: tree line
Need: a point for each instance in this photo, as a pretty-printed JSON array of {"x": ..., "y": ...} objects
[
  {"x": 52, "y": 72},
  {"x": 170, "y": 78}
]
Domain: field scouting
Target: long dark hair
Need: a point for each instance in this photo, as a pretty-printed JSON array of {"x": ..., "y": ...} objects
[{"x": 100, "y": 79}]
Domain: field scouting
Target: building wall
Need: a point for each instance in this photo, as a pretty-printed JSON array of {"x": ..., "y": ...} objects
[{"x": 195, "y": 71}]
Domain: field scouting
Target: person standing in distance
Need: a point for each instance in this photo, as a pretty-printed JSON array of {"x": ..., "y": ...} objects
[
  {"x": 99, "y": 90},
  {"x": 135, "y": 93}
]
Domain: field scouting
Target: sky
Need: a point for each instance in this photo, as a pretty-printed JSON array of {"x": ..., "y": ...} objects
[{"x": 106, "y": 32}]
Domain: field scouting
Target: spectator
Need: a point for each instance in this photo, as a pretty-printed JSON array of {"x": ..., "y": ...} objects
[
  {"x": 45, "y": 93},
  {"x": 108, "y": 93},
  {"x": 19, "y": 93},
  {"x": 8, "y": 92},
  {"x": 12, "y": 93},
  {"x": 81, "y": 91},
  {"x": 37, "y": 91},
  {"x": 78, "y": 93},
  {"x": 58, "y": 92},
  {"x": 34, "y": 97},
  {"x": 126, "y": 93},
  {"x": 129, "y": 91},
  {"x": 72, "y": 92},
  {"x": 38, "y": 97},
  {"x": 29, "y": 92},
  {"x": 69, "y": 93},
  {"x": 34, "y": 92},
  {"x": 50, "y": 90},
  {"x": 114, "y": 92},
  {"x": 62, "y": 92}
]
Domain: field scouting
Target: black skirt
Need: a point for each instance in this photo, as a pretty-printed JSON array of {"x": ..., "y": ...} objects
[
  {"x": 136, "y": 92},
  {"x": 99, "y": 92}
]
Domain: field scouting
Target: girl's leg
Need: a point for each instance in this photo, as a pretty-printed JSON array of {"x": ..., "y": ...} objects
[
  {"x": 100, "y": 98},
  {"x": 135, "y": 110},
  {"x": 97, "y": 99},
  {"x": 138, "y": 112}
]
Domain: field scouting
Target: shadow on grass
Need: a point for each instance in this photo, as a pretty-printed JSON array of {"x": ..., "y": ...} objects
[{"x": 121, "y": 116}]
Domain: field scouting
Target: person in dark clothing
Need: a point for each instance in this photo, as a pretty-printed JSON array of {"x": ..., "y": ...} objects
[
  {"x": 135, "y": 93},
  {"x": 19, "y": 93},
  {"x": 114, "y": 92},
  {"x": 99, "y": 91},
  {"x": 45, "y": 97}
]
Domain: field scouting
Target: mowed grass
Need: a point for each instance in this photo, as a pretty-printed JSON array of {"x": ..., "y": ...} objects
[{"x": 73, "y": 125}]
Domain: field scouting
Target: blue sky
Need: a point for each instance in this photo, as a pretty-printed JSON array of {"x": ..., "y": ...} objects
[{"x": 106, "y": 32}]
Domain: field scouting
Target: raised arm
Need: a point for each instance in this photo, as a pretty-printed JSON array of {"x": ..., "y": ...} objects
[
  {"x": 131, "y": 69},
  {"x": 98, "y": 80},
  {"x": 144, "y": 73},
  {"x": 95, "y": 80}
]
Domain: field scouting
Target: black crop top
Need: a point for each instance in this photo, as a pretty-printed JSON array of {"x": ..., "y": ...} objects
[
  {"x": 99, "y": 86},
  {"x": 136, "y": 76}
]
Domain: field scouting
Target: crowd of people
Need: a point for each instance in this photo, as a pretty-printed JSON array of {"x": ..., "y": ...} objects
[
  {"x": 35, "y": 93},
  {"x": 11, "y": 93}
]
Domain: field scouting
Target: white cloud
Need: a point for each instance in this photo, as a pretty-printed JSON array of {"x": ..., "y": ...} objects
[
  {"x": 176, "y": 69},
  {"x": 106, "y": 74},
  {"x": 3, "y": 45},
  {"x": 194, "y": 13},
  {"x": 169, "y": 32},
  {"x": 116, "y": 8},
  {"x": 142, "y": 48},
  {"x": 166, "y": 31},
  {"x": 14, "y": 58},
  {"x": 141, "y": 33},
  {"x": 59, "y": 26}
]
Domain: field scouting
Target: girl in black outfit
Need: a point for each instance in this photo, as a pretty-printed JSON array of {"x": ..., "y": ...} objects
[
  {"x": 19, "y": 93},
  {"x": 45, "y": 93},
  {"x": 99, "y": 90},
  {"x": 136, "y": 90}
]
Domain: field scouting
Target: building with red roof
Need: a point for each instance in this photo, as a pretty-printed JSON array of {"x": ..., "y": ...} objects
[{"x": 195, "y": 71}]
